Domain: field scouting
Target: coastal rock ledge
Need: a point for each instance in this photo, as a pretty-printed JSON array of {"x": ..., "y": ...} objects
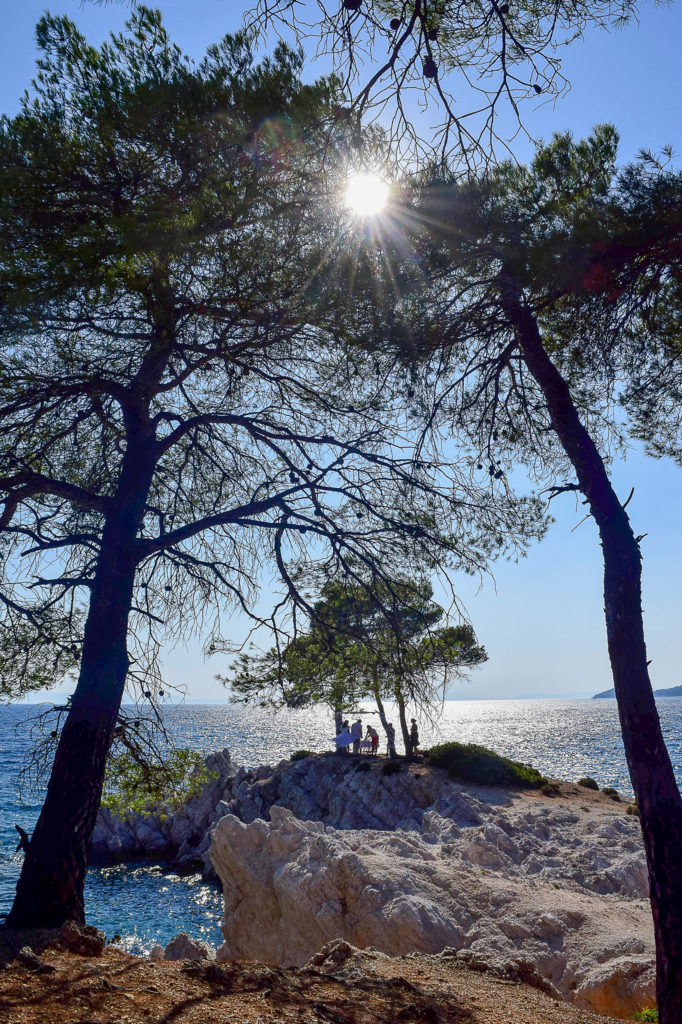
[{"x": 550, "y": 890}]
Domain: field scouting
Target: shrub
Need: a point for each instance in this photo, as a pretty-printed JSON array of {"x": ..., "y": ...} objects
[
  {"x": 391, "y": 768},
  {"x": 132, "y": 786},
  {"x": 610, "y": 791},
  {"x": 472, "y": 763},
  {"x": 649, "y": 1013},
  {"x": 550, "y": 789},
  {"x": 298, "y": 755},
  {"x": 632, "y": 809},
  {"x": 588, "y": 783}
]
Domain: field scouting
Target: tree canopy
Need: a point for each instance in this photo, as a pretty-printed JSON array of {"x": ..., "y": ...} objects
[
  {"x": 472, "y": 63},
  {"x": 548, "y": 308},
  {"x": 188, "y": 398},
  {"x": 383, "y": 642}
]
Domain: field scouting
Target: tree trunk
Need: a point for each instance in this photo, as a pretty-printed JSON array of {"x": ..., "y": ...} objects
[
  {"x": 651, "y": 772},
  {"x": 50, "y": 887},
  {"x": 403, "y": 725},
  {"x": 388, "y": 729}
]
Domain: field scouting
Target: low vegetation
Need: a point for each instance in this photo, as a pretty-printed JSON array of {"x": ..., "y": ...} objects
[
  {"x": 589, "y": 783},
  {"x": 134, "y": 787},
  {"x": 472, "y": 763},
  {"x": 298, "y": 755}
]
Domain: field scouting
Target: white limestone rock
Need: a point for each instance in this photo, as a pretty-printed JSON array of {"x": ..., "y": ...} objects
[
  {"x": 617, "y": 985},
  {"x": 291, "y": 887}
]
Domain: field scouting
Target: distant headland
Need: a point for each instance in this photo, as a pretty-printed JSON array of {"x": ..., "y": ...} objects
[{"x": 670, "y": 691}]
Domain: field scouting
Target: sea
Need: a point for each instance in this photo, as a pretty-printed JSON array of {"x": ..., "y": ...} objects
[{"x": 140, "y": 905}]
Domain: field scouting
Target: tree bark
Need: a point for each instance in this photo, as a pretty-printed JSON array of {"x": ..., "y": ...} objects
[
  {"x": 651, "y": 772},
  {"x": 50, "y": 887},
  {"x": 389, "y": 730},
  {"x": 403, "y": 725}
]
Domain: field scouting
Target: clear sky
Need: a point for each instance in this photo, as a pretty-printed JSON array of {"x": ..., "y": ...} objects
[{"x": 542, "y": 620}]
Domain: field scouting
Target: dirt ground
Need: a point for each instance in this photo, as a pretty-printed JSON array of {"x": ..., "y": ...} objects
[{"x": 62, "y": 987}]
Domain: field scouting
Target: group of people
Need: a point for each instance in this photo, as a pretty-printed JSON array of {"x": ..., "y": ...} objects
[{"x": 351, "y": 735}]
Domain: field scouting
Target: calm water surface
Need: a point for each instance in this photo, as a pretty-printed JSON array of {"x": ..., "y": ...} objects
[{"x": 563, "y": 738}]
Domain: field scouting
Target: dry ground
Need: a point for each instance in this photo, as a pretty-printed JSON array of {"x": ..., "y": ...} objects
[{"x": 115, "y": 988}]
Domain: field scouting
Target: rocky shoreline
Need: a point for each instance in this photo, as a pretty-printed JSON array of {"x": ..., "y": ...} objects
[{"x": 551, "y": 890}]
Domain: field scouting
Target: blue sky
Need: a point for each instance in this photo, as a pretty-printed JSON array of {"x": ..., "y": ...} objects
[{"x": 542, "y": 620}]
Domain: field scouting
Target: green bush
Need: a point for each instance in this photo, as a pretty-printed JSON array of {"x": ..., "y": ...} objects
[
  {"x": 298, "y": 755},
  {"x": 610, "y": 791},
  {"x": 588, "y": 783},
  {"x": 472, "y": 763},
  {"x": 649, "y": 1013},
  {"x": 132, "y": 786},
  {"x": 632, "y": 809}
]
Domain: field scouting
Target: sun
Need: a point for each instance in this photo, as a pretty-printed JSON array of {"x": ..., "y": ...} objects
[{"x": 366, "y": 193}]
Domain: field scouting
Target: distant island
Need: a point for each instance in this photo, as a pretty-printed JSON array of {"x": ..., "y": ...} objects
[{"x": 671, "y": 691}]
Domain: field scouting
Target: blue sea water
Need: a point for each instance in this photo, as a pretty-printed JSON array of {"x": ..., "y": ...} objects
[{"x": 145, "y": 905}]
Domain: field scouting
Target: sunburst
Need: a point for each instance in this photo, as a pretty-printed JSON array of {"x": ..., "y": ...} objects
[{"x": 366, "y": 193}]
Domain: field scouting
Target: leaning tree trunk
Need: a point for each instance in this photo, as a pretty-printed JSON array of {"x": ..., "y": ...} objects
[
  {"x": 50, "y": 888},
  {"x": 403, "y": 725},
  {"x": 651, "y": 772}
]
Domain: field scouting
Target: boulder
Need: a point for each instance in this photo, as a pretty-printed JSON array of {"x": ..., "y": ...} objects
[
  {"x": 182, "y": 947},
  {"x": 618, "y": 987},
  {"x": 27, "y": 958},
  {"x": 332, "y": 954},
  {"x": 82, "y": 938}
]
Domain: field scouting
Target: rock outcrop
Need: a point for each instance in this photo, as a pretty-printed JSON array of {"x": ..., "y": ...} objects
[
  {"x": 330, "y": 789},
  {"x": 529, "y": 891},
  {"x": 182, "y": 837},
  {"x": 547, "y": 890}
]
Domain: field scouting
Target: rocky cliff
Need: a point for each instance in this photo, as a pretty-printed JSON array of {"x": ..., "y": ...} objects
[
  {"x": 328, "y": 788},
  {"x": 548, "y": 889}
]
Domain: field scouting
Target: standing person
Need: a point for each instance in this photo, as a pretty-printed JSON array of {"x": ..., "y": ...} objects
[
  {"x": 356, "y": 733},
  {"x": 373, "y": 735},
  {"x": 390, "y": 737},
  {"x": 414, "y": 738}
]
